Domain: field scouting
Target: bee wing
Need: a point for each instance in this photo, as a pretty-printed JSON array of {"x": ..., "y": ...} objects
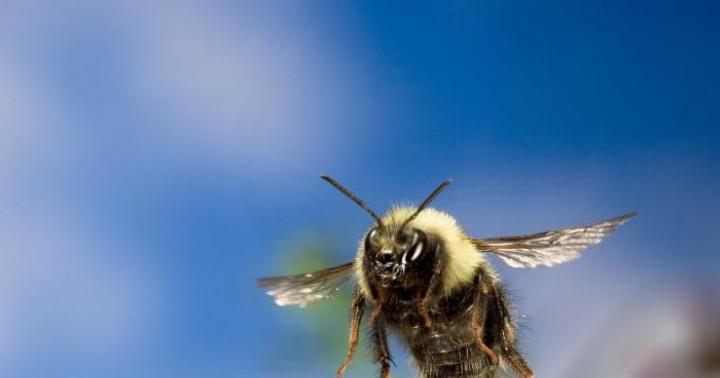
[
  {"x": 550, "y": 247},
  {"x": 303, "y": 289}
]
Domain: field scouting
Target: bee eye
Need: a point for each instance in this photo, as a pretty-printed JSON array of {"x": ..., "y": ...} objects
[
  {"x": 409, "y": 237},
  {"x": 415, "y": 247},
  {"x": 417, "y": 251},
  {"x": 414, "y": 252},
  {"x": 372, "y": 240}
]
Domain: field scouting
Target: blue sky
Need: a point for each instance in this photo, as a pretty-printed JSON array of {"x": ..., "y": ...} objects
[{"x": 157, "y": 158}]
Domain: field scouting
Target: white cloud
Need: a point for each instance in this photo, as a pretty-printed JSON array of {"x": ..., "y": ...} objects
[
  {"x": 63, "y": 287},
  {"x": 256, "y": 89},
  {"x": 261, "y": 98},
  {"x": 247, "y": 86}
]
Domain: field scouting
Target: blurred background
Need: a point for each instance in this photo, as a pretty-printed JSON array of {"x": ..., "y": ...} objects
[{"x": 157, "y": 157}]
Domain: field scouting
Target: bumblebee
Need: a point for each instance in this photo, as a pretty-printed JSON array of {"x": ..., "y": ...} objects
[{"x": 422, "y": 277}]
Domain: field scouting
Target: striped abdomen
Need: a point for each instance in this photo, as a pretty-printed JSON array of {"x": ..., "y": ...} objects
[
  {"x": 449, "y": 350},
  {"x": 448, "y": 347}
]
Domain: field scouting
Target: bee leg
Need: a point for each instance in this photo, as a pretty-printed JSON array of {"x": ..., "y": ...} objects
[
  {"x": 380, "y": 349},
  {"x": 357, "y": 309},
  {"x": 377, "y": 307},
  {"x": 507, "y": 336},
  {"x": 518, "y": 363},
  {"x": 479, "y": 315},
  {"x": 433, "y": 283}
]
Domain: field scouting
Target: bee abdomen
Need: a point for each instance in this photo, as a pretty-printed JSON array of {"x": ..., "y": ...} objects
[{"x": 444, "y": 353}]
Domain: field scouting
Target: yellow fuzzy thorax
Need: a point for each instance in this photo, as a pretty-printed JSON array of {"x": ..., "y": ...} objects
[{"x": 462, "y": 258}]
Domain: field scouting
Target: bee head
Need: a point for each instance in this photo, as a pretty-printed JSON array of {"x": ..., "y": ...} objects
[
  {"x": 395, "y": 252},
  {"x": 395, "y": 258}
]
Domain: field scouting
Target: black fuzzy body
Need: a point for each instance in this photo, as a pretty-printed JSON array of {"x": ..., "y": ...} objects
[
  {"x": 447, "y": 348},
  {"x": 450, "y": 335}
]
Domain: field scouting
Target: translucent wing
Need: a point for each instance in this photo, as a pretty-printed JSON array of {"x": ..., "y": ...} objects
[
  {"x": 551, "y": 247},
  {"x": 303, "y": 289}
]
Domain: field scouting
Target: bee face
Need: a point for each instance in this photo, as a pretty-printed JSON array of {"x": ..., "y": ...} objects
[{"x": 395, "y": 256}]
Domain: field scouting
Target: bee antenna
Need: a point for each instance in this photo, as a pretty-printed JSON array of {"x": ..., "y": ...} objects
[
  {"x": 354, "y": 198},
  {"x": 425, "y": 203}
]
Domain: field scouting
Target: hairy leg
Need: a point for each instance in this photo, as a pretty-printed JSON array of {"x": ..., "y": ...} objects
[
  {"x": 356, "y": 313},
  {"x": 380, "y": 349},
  {"x": 506, "y": 336},
  {"x": 433, "y": 284},
  {"x": 480, "y": 308}
]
